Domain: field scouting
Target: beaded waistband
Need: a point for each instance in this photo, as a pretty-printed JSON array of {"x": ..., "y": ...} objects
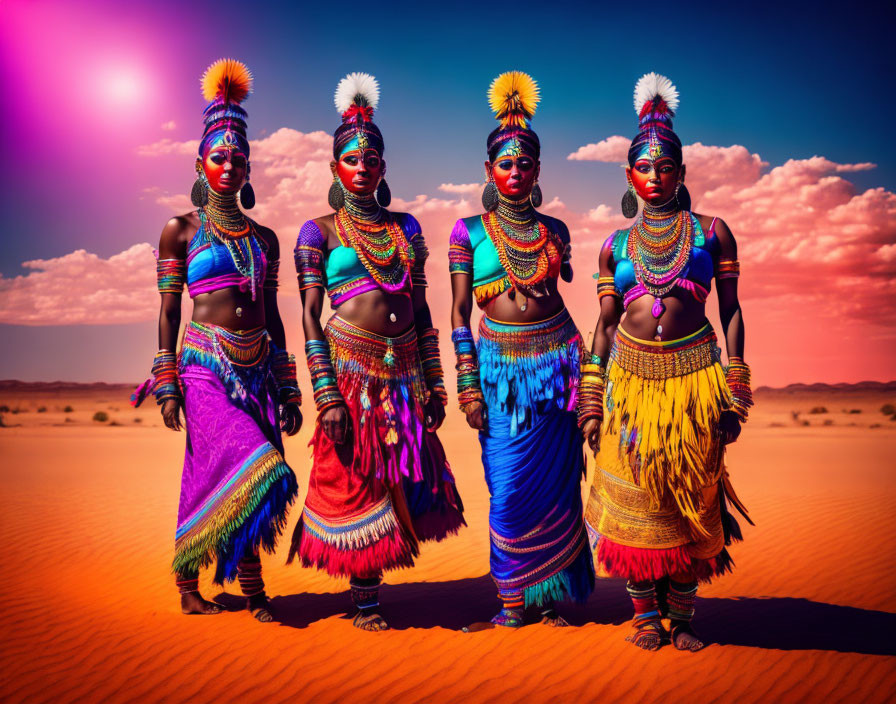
[
  {"x": 358, "y": 350},
  {"x": 665, "y": 359},
  {"x": 244, "y": 348},
  {"x": 529, "y": 338}
]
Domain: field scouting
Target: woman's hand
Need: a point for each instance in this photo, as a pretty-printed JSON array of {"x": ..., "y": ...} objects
[
  {"x": 729, "y": 427},
  {"x": 435, "y": 413},
  {"x": 335, "y": 423},
  {"x": 591, "y": 431},
  {"x": 171, "y": 413},
  {"x": 476, "y": 416},
  {"x": 290, "y": 418}
]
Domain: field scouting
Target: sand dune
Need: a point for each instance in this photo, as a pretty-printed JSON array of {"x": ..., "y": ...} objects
[{"x": 91, "y": 614}]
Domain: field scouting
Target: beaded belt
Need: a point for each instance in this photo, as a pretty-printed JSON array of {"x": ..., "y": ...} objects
[
  {"x": 529, "y": 339},
  {"x": 666, "y": 359},
  {"x": 358, "y": 350},
  {"x": 243, "y": 348}
]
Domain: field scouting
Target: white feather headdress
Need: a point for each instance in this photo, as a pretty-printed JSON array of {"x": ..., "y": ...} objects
[
  {"x": 652, "y": 86},
  {"x": 360, "y": 89}
]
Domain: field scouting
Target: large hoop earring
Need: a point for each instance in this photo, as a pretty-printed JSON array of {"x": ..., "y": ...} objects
[
  {"x": 490, "y": 196},
  {"x": 536, "y": 197},
  {"x": 199, "y": 192},
  {"x": 247, "y": 196},
  {"x": 336, "y": 195},
  {"x": 683, "y": 197},
  {"x": 629, "y": 202},
  {"x": 383, "y": 194}
]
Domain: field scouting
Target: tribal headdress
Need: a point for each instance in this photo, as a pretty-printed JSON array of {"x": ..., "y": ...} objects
[
  {"x": 357, "y": 96},
  {"x": 656, "y": 100},
  {"x": 513, "y": 97},
  {"x": 226, "y": 84}
]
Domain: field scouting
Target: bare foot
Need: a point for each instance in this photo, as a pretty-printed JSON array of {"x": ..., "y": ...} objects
[
  {"x": 684, "y": 638},
  {"x": 259, "y": 607},
  {"x": 649, "y": 635},
  {"x": 193, "y": 603},
  {"x": 370, "y": 622}
]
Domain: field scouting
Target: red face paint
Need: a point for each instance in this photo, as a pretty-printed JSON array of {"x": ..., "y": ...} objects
[
  {"x": 655, "y": 181},
  {"x": 360, "y": 176},
  {"x": 515, "y": 175},
  {"x": 226, "y": 169}
]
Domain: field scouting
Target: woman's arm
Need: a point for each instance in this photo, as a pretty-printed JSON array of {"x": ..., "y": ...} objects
[
  {"x": 591, "y": 389},
  {"x": 173, "y": 254}
]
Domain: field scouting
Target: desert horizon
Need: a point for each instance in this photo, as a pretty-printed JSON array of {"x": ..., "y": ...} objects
[{"x": 94, "y": 613}]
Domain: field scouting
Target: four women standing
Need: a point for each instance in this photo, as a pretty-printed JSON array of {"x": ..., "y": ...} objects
[{"x": 652, "y": 396}]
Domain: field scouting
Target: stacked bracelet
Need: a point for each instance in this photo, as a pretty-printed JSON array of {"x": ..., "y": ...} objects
[
  {"x": 323, "y": 376},
  {"x": 170, "y": 275},
  {"x": 606, "y": 286},
  {"x": 431, "y": 362},
  {"x": 283, "y": 367},
  {"x": 590, "y": 404},
  {"x": 738, "y": 377},
  {"x": 469, "y": 392},
  {"x": 728, "y": 269},
  {"x": 163, "y": 382}
]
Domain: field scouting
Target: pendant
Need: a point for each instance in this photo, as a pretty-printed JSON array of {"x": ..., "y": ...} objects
[
  {"x": 239, "y": 312},
  {"x": 389, "y": 357},
  {"x": 393, "y": 317},
  {"x": 659, "y": 334},
  {"x": 658, "y": 307}
]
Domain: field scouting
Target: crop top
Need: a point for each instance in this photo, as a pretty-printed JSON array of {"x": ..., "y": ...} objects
[
  {"x": 471, "y": 251},
  {"x": 341, "y": 272},
  {"x": 211, "y": 267},
  {"x": 696, "y": 276}
]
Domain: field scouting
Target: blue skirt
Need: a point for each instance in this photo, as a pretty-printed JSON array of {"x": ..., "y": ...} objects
[{"x": 532, "y": 452}]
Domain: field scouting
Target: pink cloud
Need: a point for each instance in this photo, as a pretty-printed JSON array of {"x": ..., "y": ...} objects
[
  {"x": 612, "y": 149},
  {"x": 168, "y": 146},
  {"x": 81, "y": 287},
  {"x": 466, "y": 189},
  {"x": 169, "y": 126}
]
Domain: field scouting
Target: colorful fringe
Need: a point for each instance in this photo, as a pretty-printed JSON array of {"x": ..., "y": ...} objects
[
  {"x": 359, "y": 545},
  {"x": 380, "y": 378},
  {"x": 664, "y": 399},
  {"x": 247, "y": 511},
  {"x": 525, "y": 368}
]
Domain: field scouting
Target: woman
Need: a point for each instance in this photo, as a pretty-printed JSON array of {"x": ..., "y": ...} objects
[
  {"x": 654, "y": 399},
  {"x": 233, "y": 378},
  {"x": 379, "y": 480},
  {"x": 517, "y": 385}
]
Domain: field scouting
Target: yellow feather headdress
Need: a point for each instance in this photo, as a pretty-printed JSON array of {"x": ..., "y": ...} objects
[
  {"x": 513, "y": 97},
  {"x": 227, "y": 80}
]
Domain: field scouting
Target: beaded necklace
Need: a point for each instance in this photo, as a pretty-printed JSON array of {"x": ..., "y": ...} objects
[
  {"x": 223, "y": 219},
  {"x": 659, "y": 247},
  {"x": 380, "y": 243},
  {"x": 525, "y": 247}
]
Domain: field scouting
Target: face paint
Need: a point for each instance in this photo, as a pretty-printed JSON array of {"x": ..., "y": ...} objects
[
  {"x": 360, "y": 176},
  {"x": 515, "y": 175},
  {"x": 225, "y": 167},
  {"x": 655, "y": 180}
]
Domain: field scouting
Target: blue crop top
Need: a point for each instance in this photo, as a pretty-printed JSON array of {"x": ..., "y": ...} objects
[{"x": 211, "y": 266}]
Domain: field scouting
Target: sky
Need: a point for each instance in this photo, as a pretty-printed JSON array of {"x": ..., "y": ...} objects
[{"x": 782, "y": 114}]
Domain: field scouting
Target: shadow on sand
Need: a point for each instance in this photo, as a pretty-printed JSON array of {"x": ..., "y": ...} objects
[{"x": 774, "y": 623}]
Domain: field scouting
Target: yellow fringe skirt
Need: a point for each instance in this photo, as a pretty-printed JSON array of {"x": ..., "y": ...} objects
[{"x": 658, "y": 502}]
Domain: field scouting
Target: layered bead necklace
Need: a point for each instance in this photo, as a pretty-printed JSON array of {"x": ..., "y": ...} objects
[
  {"x": 379, "y": 241},
  {"x": 525, "y": 246},
  {"x": 226, "y": 223},
  {"x": 659, "y": 247}
]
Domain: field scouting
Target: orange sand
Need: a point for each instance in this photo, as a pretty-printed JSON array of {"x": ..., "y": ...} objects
[{"x": 91, "y": 613}]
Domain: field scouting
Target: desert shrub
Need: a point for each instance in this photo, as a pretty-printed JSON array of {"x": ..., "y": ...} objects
[
  {"x": 875, "y": 425},
  {"x": 817, "y": 410},
  {"x": 67, "y": 409},
  {"x": 776, "y": 424},
  {"x": 828, "y": 421},
  {"x": 101, "y": 416},
  {"x": 115, "y": 423},
  {"x": 138, "y": 420},
  {"x": 855, "y": 410},
  {"x": 4, "y": 409},
  {"x": 42, "y": 409},
  {"x": 888, "y": 409}
]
